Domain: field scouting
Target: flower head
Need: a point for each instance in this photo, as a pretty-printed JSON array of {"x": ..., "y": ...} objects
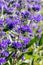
[{"x": 17, "y": 45}]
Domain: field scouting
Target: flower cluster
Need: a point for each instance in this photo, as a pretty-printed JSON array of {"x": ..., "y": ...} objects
[{"x": 20, "y": 22}]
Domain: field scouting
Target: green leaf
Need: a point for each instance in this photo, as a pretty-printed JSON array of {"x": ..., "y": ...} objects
[
  {"x": 27, "y": 56},
  {"x": 6, "y": 64},
  {"x": 34, "y": 40},
  {"x": 10, "y": 60},
  {"x": 41, "y": 40},
  {"x": 6, "y": 28},
  {"x": 24, "y": 63}
]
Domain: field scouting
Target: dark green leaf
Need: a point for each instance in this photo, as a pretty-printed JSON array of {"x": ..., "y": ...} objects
[
  {"x": 34, "y": 40},
  {"x": 10, "y": 60},
  {"x": 5, "y": 29},
  {"x": 41, "y": 40}
]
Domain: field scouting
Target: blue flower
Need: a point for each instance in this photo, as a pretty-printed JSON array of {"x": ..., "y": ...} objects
[
  {"x": 23, "y": 58},
  {"x": 39, "y": 30},
  {"x": 8, "y": 10},
  {"x": 8, "y": 1},
  {"x": 26, "y": 28},
  {"x": 17, "y": 5},
  {"x": 36, "y": 7},
  {"x": 37, "y": 1},
  {"x": 8, "y": 20},
  {"x": 38, "y": 17},
  {"x": 5, "y": 43},
  {"x": 13, "y": 54},
  {"x": 1, "y": 21},
  {"x": 10, "y": 26},
  {"x": 26, "y": 41},
  {"x": 28, "y": 0},
  {"x": 5, "y": 53},
  {"x": 17, "y": 45},
  {"x": 2, "y": 60},
  {"x": 25, "y": 14}
]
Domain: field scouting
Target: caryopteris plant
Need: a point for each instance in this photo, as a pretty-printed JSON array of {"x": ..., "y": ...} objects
[{"x": 21, "y": 32}]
